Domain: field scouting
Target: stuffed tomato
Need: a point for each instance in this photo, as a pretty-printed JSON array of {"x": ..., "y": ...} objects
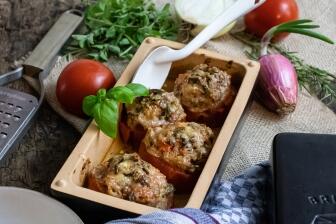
[
  {"x": 206, "y": 94},
  {"x": 179, "y": 151},
  {"x": 157, "y": 109},
  {"x": 129, "y": 177}
]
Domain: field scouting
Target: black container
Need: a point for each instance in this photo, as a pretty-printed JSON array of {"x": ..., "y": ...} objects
[{"x": 304, "y": 171}]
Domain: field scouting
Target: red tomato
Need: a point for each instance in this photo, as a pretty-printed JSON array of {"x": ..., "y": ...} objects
[
  {"x": 93, "y": 184},
  {"x": 133, "y": 137},
  {"x": 212, "y": 118},
  {"x": 269, "y": 14},
  {"x": 181, "y": 180},
  {"x": 81, "y": 78}
]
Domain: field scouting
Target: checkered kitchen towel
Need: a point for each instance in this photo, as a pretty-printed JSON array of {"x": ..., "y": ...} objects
[{"x": 241, "y": 200}]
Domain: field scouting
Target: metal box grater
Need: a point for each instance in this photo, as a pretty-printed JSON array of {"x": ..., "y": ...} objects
[{"x": 16, "y": 110}]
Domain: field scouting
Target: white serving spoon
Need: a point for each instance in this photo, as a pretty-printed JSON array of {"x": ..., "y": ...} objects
[{"x": 153, "y": 72}]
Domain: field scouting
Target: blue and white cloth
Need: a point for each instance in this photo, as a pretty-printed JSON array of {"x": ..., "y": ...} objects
[{"x": 241, "y": 200}]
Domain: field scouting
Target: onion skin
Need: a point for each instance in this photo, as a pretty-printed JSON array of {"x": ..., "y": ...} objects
[{"x": 277, "y": 85}]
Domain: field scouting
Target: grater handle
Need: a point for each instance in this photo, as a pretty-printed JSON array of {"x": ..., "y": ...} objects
[{"x": 52, "y": 42}]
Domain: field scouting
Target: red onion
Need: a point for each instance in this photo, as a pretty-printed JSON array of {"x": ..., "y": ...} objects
[{"x": 277, "y": 85}]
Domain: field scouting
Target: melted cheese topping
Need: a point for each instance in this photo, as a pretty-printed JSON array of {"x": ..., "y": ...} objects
[
  {"x": 128, "y": 176},
  {"x": 203, "y": 88},
  {"x": 159, "y": 108},
  {"x": 184, "y": 144}
]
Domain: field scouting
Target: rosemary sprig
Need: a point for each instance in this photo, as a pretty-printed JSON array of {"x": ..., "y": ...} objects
[{"x": 316, "y": 81}]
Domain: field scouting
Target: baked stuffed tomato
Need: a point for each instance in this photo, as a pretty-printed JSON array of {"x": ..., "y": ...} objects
[
  {"x": 206, "y": 94},
  {"x": 179, "y": 151},
  {"x": 129, "y": 177},
  {"x": 156, "y": 109}
]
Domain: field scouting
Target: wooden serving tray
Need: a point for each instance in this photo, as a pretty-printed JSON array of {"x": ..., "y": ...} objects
[{"x": 95, "y": 147}]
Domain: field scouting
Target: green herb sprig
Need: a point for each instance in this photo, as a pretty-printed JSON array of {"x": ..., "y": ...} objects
[
  {"x": 115, "y": 27},
  {"x": 301, "y": 26},
  {"x": 104, "y": 107},
  {"x": 316, "y": 81}
]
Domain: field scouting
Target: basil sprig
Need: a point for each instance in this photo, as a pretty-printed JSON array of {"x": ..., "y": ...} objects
[{"x": 103, "y": 107}]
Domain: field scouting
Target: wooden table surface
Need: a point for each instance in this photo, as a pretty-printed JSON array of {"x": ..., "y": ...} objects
[{"x": 35, "y": 161}]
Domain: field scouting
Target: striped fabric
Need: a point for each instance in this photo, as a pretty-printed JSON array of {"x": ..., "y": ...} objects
[{"x": 237, "y": 201}]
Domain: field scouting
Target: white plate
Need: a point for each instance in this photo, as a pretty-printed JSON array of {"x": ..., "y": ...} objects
[{"x": 22, "y": 206}]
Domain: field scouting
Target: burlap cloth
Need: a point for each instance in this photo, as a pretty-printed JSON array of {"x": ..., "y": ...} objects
[{"x": 255, "y": 139}]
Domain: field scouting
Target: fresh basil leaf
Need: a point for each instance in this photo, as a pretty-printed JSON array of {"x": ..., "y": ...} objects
[
  {"x": 88, "y": 104},
  {"x": 90, "y": 38},
  {"x": 121, "y": 94},
  {"x": 140, "y": 37},
  {"x": 94, "y": 55},
  {"x": 111, "y": 32},
  {"x": 82, "y": 43},
  {"x": 114, "y": 49},
  {"x": 79, "y": 37},
  {"x": 102, "y": 5},
  {"x": 124, "y": 41},
  {"x": 96, "y": 33},
  {"x": 98, "y": 46},
  {"x": 138, "y": 89},
  {"x": 103, "y": 55},
  {"x": 106, "y": 116},
  {"x": 101, "y": 95}
]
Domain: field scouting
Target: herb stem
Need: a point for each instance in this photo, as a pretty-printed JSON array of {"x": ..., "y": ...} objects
[
  {"x": 126, "y": 51},
  {"x": 131, "y": 40},
  {"x": 266, "y": 40},
  {"x": 103, "y": 22},
  {"x": 296, "y": 26}
]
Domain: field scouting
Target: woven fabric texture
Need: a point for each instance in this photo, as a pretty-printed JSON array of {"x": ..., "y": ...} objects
[{"x": 255, "y": 139}]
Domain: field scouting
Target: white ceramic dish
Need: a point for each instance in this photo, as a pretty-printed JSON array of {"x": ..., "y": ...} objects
[{"x": 22, "y": 206}]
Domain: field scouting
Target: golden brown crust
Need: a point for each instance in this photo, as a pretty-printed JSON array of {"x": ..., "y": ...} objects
[
  {"x": 205, "y": 93},
  {"x": 181, "y": 180},
  {"x": 212, "y": 117},
  {"x": 129, "y": 177},
  {"x": 185, "y": 145},
  {"x": 159, "y": 108}
]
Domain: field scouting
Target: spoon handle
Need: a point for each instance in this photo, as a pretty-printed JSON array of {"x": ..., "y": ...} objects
[{"x": 239, "y": 8}]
